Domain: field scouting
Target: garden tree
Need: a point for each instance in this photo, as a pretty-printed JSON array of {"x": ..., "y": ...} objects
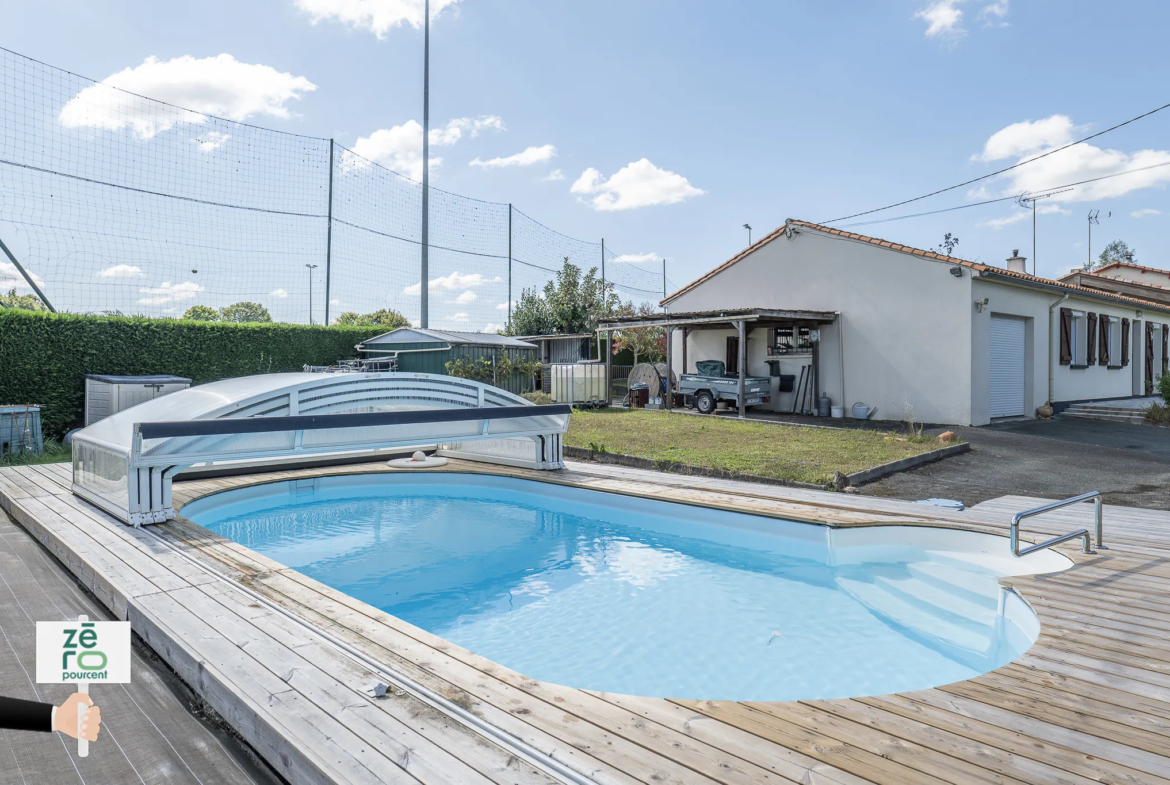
[
  {"x": 648, "y": 343},
  {"x": 245, "y": 312},
  {"x": 25, "y": 302},
  {"x": 202, "y": 313},
  {"x": 389, "y": 319},
  {"x": 1116, "y": 251},
  {"x": 572, "y": 303}
]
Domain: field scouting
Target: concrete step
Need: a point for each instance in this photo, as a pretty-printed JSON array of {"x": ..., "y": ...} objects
[{"x": 1136, "y": 419}]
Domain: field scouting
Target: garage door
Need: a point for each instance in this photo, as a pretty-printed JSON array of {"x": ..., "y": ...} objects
[{"x": 1007, "y": 366}]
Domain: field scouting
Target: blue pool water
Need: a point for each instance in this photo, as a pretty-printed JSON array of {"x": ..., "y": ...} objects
[{"x": 607, "y": 592}]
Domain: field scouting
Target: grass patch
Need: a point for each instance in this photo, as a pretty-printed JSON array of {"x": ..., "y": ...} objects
[
  {"x": 1158, "y": 413},
  {"x": 791, "y": 453},
  {"x": 54, "y": 452}
]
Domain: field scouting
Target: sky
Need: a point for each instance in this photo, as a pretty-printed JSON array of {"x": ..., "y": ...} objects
[{"x": 666, "y": 125}]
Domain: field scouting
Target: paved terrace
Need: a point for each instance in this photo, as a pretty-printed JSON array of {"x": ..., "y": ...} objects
[{"x": 1090, "y": 702}]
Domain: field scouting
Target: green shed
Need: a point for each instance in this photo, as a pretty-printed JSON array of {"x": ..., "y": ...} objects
[{"x": 429, "y": 351}]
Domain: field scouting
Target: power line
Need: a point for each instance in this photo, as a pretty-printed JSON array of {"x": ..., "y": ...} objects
[
  {"x": 1001, "y": 171},
  {"x": 1005, "y": 198}
]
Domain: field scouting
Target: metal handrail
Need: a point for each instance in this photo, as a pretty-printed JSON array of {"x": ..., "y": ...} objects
[{"x": 1082, "y": 533}]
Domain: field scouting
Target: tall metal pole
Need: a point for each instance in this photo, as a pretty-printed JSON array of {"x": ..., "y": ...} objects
[
  {"x": 1033, "y": 237},
  {"x": 604, "y": 291},
  {"x": 509, "y": 262},
  {"x": 27, "y": 277},
  {"x": 424, "y": 314},
  {"x": 664, "y": 281},
  {"x": 328, "y": 237},
  {"x": 311, "y": 267}
]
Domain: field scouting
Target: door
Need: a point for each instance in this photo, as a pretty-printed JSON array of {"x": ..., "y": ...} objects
[
  {"x": 1007, "y": 366},
  {"x": 732, "y": 364}
]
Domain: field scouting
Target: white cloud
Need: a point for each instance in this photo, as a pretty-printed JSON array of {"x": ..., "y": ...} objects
[
  {"x": 638, "y": 258},
  {"x": 213, "y": 140},
  {"x": 639, "y": 184},
  {"x": 978, "y": 193},
  {"x": 504, "y": 306},
  {"x": 400, "y": 148},
  {"x": 453, "y": 131},
  {"x": 220, "y": 86},
  {"x": 1027, "y": 137},
  {"x": 455, "y": 280},
  {"x": 169, "y": 293},
  {"x": 527, "y": 157},
  {"x": 458, "y": 317},
  {"x": 375, "y": 16},
  {"x": 1081, "y": 162},
  {"x": 1145, "y": 213},
  {"x": 993, "y": 14},
  {"x": 492, "y": 327},
  {"x": 554, "y": 175},
  {"x": 1026, "y": 214},
  {"x": 467, "y": 297},
  {"x": 121, "y": 271},
  {"x": 10, "y": 278},
  {"x": 943, "y": 19},
  {"x": 280, "y": 294}
]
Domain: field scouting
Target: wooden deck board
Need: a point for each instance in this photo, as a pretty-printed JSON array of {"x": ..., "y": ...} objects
[{"x": 1090, "y": 702}]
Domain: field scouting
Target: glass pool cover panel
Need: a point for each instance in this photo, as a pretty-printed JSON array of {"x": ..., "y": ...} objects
[{"x": 607, "y": 592}]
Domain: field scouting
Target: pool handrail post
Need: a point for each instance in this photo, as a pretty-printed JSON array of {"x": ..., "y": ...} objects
[{"x": 1083, "y": 534}]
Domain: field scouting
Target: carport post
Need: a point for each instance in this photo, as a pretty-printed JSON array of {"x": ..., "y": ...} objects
[
  {"x": 608, "y": 367},
  {"x": 739, "y": 326},
  {"x": 668, "y": 396}
]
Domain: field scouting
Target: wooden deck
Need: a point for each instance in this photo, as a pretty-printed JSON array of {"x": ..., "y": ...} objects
[{"x": 1089, "y": 702}]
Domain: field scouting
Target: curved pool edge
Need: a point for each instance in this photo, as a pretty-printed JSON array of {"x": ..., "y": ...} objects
[{"x": 982, "y": 548}]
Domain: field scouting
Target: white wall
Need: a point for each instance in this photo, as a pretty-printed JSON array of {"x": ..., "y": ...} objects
[
  {"x": 1068, "y": 383},
  {"x": 904, "y": 321}
]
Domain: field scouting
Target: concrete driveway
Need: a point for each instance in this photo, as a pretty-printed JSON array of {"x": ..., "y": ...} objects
[{"x": 1129, "y": 464}]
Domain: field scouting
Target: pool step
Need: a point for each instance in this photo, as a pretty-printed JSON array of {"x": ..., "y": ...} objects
[
  {"x": 930, "y": 599},
  {"x": 976, "y": 587},
  {"x": 925, "y": 618}
]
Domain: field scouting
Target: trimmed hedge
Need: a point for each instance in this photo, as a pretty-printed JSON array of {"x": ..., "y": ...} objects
[{"x": 44, "y": 357}]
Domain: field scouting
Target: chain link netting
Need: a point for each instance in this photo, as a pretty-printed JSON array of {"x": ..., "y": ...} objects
[{"x": 117, "y": 203}]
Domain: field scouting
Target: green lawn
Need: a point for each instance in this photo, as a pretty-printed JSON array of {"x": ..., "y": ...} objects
[{"x": 783, "y": 452}]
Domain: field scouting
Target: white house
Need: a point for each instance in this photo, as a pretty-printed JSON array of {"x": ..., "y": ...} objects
[{"x": 954, "y": 341}]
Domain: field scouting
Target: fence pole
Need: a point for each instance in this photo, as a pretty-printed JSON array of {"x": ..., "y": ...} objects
[
  {"x": 509, "y": 262},
  {"x": 27, "y": 277},
  {"x": 329, "y": 234},
  {"x": 424, "y": 315}
]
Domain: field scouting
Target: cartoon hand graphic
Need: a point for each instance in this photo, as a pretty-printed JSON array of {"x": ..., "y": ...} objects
[{"x": 65, "y": 720}]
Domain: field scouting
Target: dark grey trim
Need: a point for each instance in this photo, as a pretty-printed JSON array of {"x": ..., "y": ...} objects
[
  {"x": 1060, "y": 406},
  {"x": 316, "y": 422},
  {"x": 901, "y": 465}
]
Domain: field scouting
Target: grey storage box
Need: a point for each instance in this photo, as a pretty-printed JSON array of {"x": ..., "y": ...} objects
[{"x": 106, "y": 395}]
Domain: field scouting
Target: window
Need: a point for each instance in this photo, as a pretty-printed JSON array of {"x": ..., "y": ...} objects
[
  {"x": 1078, "y": 339},
  {"x": 1113, "y": 330},
  {"x": 791, "y": 339}
]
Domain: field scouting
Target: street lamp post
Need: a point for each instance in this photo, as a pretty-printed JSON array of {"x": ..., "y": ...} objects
[{"x": 311, "y": 267}]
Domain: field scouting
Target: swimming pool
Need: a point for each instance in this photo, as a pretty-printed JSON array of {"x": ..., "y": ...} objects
[{"x": 630, "y": 595}]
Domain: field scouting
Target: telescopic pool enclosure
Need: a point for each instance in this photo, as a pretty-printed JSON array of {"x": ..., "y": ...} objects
[{"x": 126, "y": 462}]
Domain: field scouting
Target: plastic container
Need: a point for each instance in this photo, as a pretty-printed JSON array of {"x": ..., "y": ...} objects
[{"x": 838, "y": 412}]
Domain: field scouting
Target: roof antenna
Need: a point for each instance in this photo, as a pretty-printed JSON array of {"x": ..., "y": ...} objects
[
  {"x": 1093, "y": 214},
  {"x": 1027, "y": 200}
]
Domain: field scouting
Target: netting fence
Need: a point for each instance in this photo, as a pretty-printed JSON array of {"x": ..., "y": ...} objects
[{"x": 117, "y": 203}]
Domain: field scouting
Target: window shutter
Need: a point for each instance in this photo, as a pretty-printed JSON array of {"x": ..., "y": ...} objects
[
  {"x": 1065, "y": 336},
  {"x": 1165, "y": 348},
  {"x": 1124, "y": 342},
  {"x": 1091, "y": 342},
  {"x": 1149, "y": 357},
  {"x": 1103, "y": 355}
]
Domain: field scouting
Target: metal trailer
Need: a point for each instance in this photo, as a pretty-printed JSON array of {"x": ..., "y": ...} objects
[{"x": 702, "y": 392}]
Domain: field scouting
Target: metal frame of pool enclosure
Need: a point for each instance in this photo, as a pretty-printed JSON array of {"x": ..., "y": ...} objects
[{"x": 125, "y": 463}]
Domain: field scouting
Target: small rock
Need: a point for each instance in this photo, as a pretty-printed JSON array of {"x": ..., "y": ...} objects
[
  {"x": 840, "y": 481},
  {"x": 852, "y": 489},
  {"x": 948, "y": 437}
]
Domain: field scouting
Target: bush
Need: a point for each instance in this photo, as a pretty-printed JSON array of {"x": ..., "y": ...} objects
[
  {"x": 44, "y": 357},
  {"x": 540, "y": 398},
  {"x": 1164, "y": 386},
  {"x": 1157, "y": 413}
]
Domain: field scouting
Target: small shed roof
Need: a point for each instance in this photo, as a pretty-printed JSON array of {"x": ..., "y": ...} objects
[
  {"x": 419, "y": 335},
  {"x": 553, "y": 336}
]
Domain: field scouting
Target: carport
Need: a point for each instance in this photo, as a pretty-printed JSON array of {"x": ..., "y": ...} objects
[{"x": 742, "y": 320}]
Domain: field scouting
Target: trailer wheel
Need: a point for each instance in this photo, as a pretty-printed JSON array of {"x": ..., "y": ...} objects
[{"x": 705, "y": 402}]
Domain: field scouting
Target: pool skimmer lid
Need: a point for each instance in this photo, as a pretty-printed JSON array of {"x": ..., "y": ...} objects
[{"x": 417, "y": 461}]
